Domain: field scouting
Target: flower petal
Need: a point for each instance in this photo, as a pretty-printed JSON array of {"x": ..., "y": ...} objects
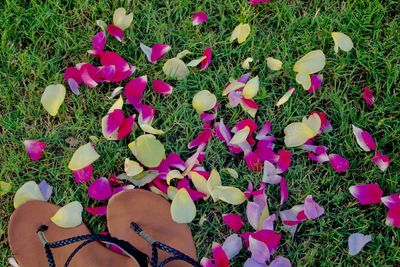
[
  {"x": 393, "y": 217},
  {"x": 233, "y": 221},
  {"x": 83, "y": 175},
  {"x": 82, "y": 157},
  {"x": 97, "y": 211},
  {"x": 251, "y": 88},
  {"x": 126, "y": 127},
  {"x": 5, "y": 187},
  {"x": 284, "y": 191},
  {"x": 34, "y": 148},
  {"x": 183, "y": 209},
  {"x": 232, "y": 246},
  {"x": 121, "y": 19},
  {"x": 316, "y": 82},
  {"x": 284, "y": 161},
  {"x": 148, "y": 150},
  {"x": 99, "y": 41},
  {"x": 304, "y": 79},
  {"x": 311, "y": 208},
  {"x": 116, "y": 32},
  {"x": 392, "y": 201},
  {"x": 219, "y": 255},
  {"x": 241, "y": 32},
  {"x": 382, "y": 161},
  {"x": 114, "y": 120},
  {"x": 364, "y": 139},
  {"x": 259, "y": 250},
  {"x": 240, "y": 136},
  {"x": 134, "y": 90},
  {"x": 132, "y": 167},
  {"x": 27, "y": 192},
  {"x": 52, "y": 98},
  {"x": 229, "y": 194},
  {"x": 199, "y": 18},
  {"x": 158, "y": 51},
  {"x": 175, "y": 68},
  {"x": 310, "y": 63},
  {"x": 46, "y": 190},
  {"x": 207, "y": 61},
  {"x": 100, "y": 189},
  {"x": 342, "y": 41},
  {"x": 68, "y": 216},
  {"x": 338, "y": 163},
  {"x": 367, "y": 193},
  {"x": 246, "y": 63},
  {"x": 285, "y": 97},
  {"x": 203, "y": 101},
  {"x": 162, "y": 87},
  {"x": 356, "y": 242},
  {"x": 274, "y": 64},
  {"x": 280, "y": 262},
  {"x": 368, "y": 96}
]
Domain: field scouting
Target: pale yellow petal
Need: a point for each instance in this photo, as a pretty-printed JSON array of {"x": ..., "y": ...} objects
[
  {"x": 342, "y": 41},
  {"x": 250, "y": 90},
  {"x": 229, "y": 194},
  {"x": 148, "y": 150},
  {"x": 175, "y": 68},
  {"x": 27, "y": 192},
  {"x": 312, "y": 62},
  {"x": 249, "y": 110},
  {"x": 314, "y": 122},
  {"x": 68, "y": 216},
  {"x": 241, "y": 32},
  {"x": 304, "y": 80},
  {"x": 150, "y": 129},
  {"x": 285, "y": 97},
  {"x": 132, "y": 167},
  {"x": 213, "y": 181},
  {"x": 121, "y": 19},
  {"x": 183, "y": 54},
  {"x": 246, "y": 63},
  {"x": 200, "y": 183},
  {"x": 52, "y": 98},
  {"x": 274, "y": 64},
  {"x": 83, "y": 156},
  {"x": 203, "y": 101},
  {"x": 297, "y": 133},
  {"x": 232, "y": 172},
  {"x": 233, "y": 86},
  {"x": 173, "y": 174},
  {"x": 171, "y": 192},
  {"x": 117, "y": 104},
  {"x": 240, "y": 136},
  {"x": 183, "y": 209},
  {"x": 195, "y": 62}
]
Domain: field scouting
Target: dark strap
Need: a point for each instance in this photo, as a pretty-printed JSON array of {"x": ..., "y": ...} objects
[
  {"x": 176, "y": 254},
  {"x": 140, "y": 257}
]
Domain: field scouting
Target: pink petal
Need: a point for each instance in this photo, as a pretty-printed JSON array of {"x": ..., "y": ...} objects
[
  {"x": 289, "y": 217},
  {"x": 100, "y": 189},
  {"x": 265, "y": 130},
  {"x": 269, "y": 237},
  {"x": 259, "y": 250},
  {"x": 219, "y": 255},
  {"x": 256, "y": 2},
  {"x": 356, "y": 242},
  {"x": 316, "y": 82},
  {"x": 134, "y": 90},
  {"x": 207, "y": 61},
  {"x": 114, "y": 120},
  {"x": 311, "y": 208},
  {"x": 246, "y": 122},
  {"x": 368, "y": 139},
  {"x": 253, "y": 213},
  {"x": 158, "y": 51},
  {"x": 392, "y": 201},
  {"x": 108, "y": 72},
  {"x": 393, "y": 217},
  {"x": 368, "y": 96},
  {"x": 115, "y": 32},
  {"x": 280, "y": 262},
  {"x": 382, "y": 161},
  {"x": 72, "y": 73},
  {"x": 83, "y": 175},
  {"x": 199, "y": 18},
  {"x": 112, "y": 58},
  {"x": 34, "y": 148},
  {"x": 162, "y": 87},
  {"x": 253, "y": 162},
  {"x": 234, "y": 98},
  {"x": 87, "y": 76},
  {"x": 338, "y": 163},
  {"x": 46, "y": 190},
  {"x": 205, "y": 262},
  {"x": 98, "y": 42},
  {"x": 364, "y": 139},
  {"x": 146, "y": 114},
  {"x": 125, "y": 127},
  {"x": 122, "y": 75},
  {"x": 232, "y": 246},
  {"x": 201, "y": 139},
  {"x": 222, "y": 132},
  {"x": 233, "y": 221},
  {"x": 268, "y": 223},
  {"x": 367, "y": 193},
  {"x": 284, "y": 191},
  {"x": 284, "y": 161},
  {"x": 97, "y": 211}
]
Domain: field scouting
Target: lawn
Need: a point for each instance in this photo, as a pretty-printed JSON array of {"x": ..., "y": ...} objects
[{"x": 39, "y": 39}]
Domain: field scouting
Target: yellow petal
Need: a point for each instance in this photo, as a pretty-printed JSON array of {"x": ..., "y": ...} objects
[
  {"x": 132, "y": 167},
  {"x": 213, "y": 181},
  {"x": 148, "y": 150},
  {"x": 233, "y": 86},
  {"x": 342, "y": 41},
  {"x": 183, "y": 54},
  {"x": 314, "y": 122},
  {"x": 251, "y": 88},
  {"x": 264, "y": 215},
  {"x": 183, "y": 209},
  {"x": 83, "y": 156},
  {"x": 117, "y": 104},
  {"x": 4, "y": 188},
  {"x": 312, "y": 62},
  {"x": 229, "y": 194},
  {"x": 246, "y": 63},
  {"x": 52, "y": 98},
  {"x": 304, "y": 80},
  {"x": 274, "y": 64},
  {"x": 173, "y": 174},
  {"x": 27, "y": 192},
  {"x": 249, "y": 110},
  {"x": 150, "y": 129},
  {"x": 297, "y": 133},
  {"x": 102, "y": 25},
  {"x": 203, "y": 101},
  {"x": 241, "y": 32},
  {"x": 121, "y": 19},
  {"x": 171, "y": 192},
  {"x": 175, "y": 68},
  {"x": 195, "y": 62},
  {"x": 232, "y": 172},
  {"x": 200, "y": 183},
  {"x": 68, "y": 216},
  {"x": 240, "y": 136},
  {"x": 285, "y": 97}
]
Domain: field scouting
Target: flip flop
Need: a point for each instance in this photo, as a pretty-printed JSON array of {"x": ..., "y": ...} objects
[
  {"x": 36, "y": 242},
  {"x": 137, "y": 215}
]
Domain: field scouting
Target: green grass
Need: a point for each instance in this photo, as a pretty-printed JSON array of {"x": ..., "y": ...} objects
[{"x": 39, "y": 39}]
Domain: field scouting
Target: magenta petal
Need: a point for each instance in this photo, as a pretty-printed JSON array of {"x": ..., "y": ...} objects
[
  {"x": 338, "y": 163},
  {"x": 158, "y": 51},
  {"x": 83, "y": 175},
  {"x": 311, "y": 208},
  {"x": 207, "y": 61},
  {"x": 243, "y": 123},
  {"x": 87, "y": 79},
  {"x": 34, "y": 148},
  {"x": 134, "y": 91},
  {"x": 100, "y": 189},
  {"x": 222, "y": 132},
  {"x": 162, "y": 87},
  {"x": 280, "y": 262},
  {"x": 392, "y": 201},
  {"x": 46, "y": 190},
  {"x": 99, "y": 41},
  {"x": 368, "y": 139},
  {"x": 115, "y": 32},
  {"x": 284, "y": 191},
  {"x": 367, "y": 193},
  {"x": 201, "y": 139},
  {"x": 199, "y": 18},
  {"x": 233, "y": 221},
  {"x": 112, "y": 58},
  {"x": 316, "y": 82},
  {"x": 382, "y": 161},
  {"x": 265, "y": 130},
  {"x": 114, "y": 120},
  {"x": 284, "y": 161},
  {"x": 368, "y": 96},
  {"x": 126, "y": 127},
  {"x": 97, "y": 211},
  {"x": 253, "y": 162},
  {"x": 108, "y": 72},
  {"x": 219, "y": 255},
  {"x": 393, "y": 217},
  {"x": 206, "y": 262}
]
